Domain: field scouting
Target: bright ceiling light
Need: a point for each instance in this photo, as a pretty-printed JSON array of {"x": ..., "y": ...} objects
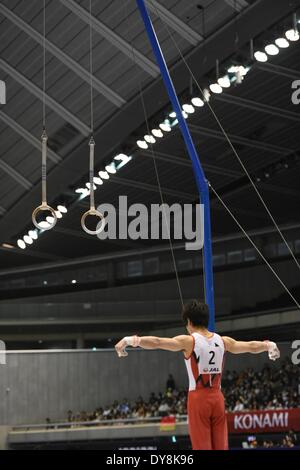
[
  {"x": 292, "y": 35},
  {"x": 243, "y": 70},
  {"x": 104, "y": 175},
  {"x": 216, "y": 88},
  {"x": 165, "y": 126},
  {"x": 232, "y": 69},
  {"x": 198, "y": 102},
  {"x": 43, "y": 224},
  {"x": 150, "y": 139},
  {"x": 21, "y": 244},
  {"x": 224, "y": 82},
  {"x": 271, "y": 49},
  {"x": 58, "y": 214},
  {"x": 123, "y": 159},
  {"x": 157, "y": 133},
  {"x": 282, "y": 43},
  {"x": 62, "y": 209},
  {"x": 33, "y": 234},
  {"x": 239, "y": 69},
  {"x": 74, "y": 281},
  {"x": 28, "y": 240},
  {"x": 80, "y": 190},
  {"x": 111, "y": 168},
  {"x": 260, "y": 56},
  {"x": 98, "y": 181},
  {"x": 172, "y": 115},
  {"x": 88, "y": 185},
  {"x": 84, "y": 193},
  {"x": 206, "y": 95},
  {"x": 142, "y": 144},
  {"x": 50, "y": 219},
  {"x": 188, "y": 108}
]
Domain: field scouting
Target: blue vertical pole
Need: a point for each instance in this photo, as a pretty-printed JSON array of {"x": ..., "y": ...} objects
[{"x": 201, "y": 181}]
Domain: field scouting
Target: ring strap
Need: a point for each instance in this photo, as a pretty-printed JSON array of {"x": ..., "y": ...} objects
[
  {"x": 92, "y": 153},
  {"x": 44, "y": 166}
]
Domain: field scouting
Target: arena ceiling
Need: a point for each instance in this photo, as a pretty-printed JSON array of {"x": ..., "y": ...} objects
[{"x": 259, "y": 116}]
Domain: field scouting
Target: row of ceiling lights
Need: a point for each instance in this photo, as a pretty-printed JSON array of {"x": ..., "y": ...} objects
[
  {"x": 235, "y": 75},
  {"x": 112, "y": 168},
  {"x": 292, "y": 35}
]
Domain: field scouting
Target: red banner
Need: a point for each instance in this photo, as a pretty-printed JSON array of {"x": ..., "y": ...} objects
[{"x": 264, "y": 421}]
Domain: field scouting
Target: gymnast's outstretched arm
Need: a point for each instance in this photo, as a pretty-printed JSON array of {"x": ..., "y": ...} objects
[
  {"x": 182, "y": 343},
  {"x": 254, "y": 347}
]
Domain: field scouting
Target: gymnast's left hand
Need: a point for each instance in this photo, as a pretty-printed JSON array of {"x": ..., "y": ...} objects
[
  {"x": 273, "y": 351},
  {"x": 120, "y": 348}
]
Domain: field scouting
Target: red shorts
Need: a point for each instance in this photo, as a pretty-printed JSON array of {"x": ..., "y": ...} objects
[{"x": 207, "y": 420}]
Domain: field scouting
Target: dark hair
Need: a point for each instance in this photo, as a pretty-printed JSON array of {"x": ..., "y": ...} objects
[{"x": 197, "y": 312}]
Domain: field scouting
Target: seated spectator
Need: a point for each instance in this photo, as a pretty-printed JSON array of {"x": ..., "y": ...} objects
[
  {"x": 163, "y": 409},
  {"x": 239, "y": 406}
]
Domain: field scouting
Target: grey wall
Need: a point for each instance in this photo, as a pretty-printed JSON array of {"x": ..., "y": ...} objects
[{"x": 36, "y": 385}]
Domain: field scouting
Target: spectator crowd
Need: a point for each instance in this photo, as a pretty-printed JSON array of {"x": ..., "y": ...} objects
[
  {"x": 270, "y": 388},
  {"x": 289, "y": 441}
]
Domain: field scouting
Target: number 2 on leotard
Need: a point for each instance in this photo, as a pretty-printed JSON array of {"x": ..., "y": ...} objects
[{"x": 212, "y": 358}]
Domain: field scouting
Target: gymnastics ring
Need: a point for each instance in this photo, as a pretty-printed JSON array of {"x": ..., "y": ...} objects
[
  {"x": 93, "y": 212},
  {"x": 44, "y": 207}
]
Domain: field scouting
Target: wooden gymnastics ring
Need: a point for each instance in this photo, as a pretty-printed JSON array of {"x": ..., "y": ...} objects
[
  {"x": 93, "y": 212},
  {"x": 44, "y": 207}
]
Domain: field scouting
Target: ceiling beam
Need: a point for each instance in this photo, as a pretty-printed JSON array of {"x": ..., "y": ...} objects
[
  {"x": 81, "y": 234},
  {"x": 184, "y": 30},
  {"x": 237, "y": 5},
  {"x": 215, "y": 204},
  {"x": 15, "y": 175},
  {"x": 64, "y": 58},
  {"x": 109, "y": 35},
  {"x": 28, "y": 136},
  {"x": 256, "y": 18},
  {"x": 2, "y": 92},
  {"x": 264, "y": 108},
  {"x": 51, "y": 103},
  {"x": 173, "y": 159},
  {"x": 152, "y": 188},
  {"x": 279, "y": 70},
  {"x": 252, "y": 143},
  {"x": 31, "y": 253},
  {"x": 280, "y": 190}
]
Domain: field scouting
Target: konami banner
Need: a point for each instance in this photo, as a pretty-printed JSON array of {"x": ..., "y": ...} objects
[{"x": 264, "y": 421}]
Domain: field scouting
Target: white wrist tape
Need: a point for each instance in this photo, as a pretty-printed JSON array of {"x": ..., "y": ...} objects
[{"x": 133, "y": 341}]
